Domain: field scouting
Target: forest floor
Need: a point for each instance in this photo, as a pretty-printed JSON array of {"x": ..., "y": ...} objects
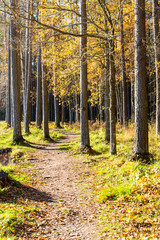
[
  {"x": 63, "y": 211},
  {"x": 57, "y": 192}
]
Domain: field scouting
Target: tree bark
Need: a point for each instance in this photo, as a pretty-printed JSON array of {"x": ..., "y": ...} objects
[
  {"x": 70, "y": 110},
  {"x": 123, "y": 66},
  {"x": 112, "y": 100},
  {"x": 15, "y": 75},
  {"x": 157, "y": 60},
  {"x": 8, "y": 93},
  {"x": 77, "y": 107},
  {"x": 141, "y": 108},
  {"x": 39, "y": 91},
  {"x": 45, "y": 103},
  {"x": 57, "y": 111},
  {"x": 83, "y": 79},
  {"x": 63, "y": 112},
  {"x": 28, "y": 70},
  {"x": 107, "y": 99},
  {"x": 132, "y": 102}
]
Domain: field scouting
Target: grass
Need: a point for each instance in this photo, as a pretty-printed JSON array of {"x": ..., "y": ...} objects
[
  {"x": 12, "y": 217},
  {"x": 127, "y": 192},
  {"x": 15, "y": 211},
  {"x": 16, "y": 206},
  {"x": 35, "y": 137}
]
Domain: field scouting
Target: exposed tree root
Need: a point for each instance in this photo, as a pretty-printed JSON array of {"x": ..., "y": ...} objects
[{"x": 146, "y": 158}]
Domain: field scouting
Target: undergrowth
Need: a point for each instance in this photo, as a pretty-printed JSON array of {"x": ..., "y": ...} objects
[
  {"x": 127, "y": 192},
  {"x": 35, "y": 137},
  {"x": 17, "y": 206},
  {"x": 15, "y": 210}
]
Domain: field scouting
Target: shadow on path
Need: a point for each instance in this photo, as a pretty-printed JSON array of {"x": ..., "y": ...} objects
[{"x": 17, "y": 191}]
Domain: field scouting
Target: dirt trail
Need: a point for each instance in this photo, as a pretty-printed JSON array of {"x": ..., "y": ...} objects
[{"x": 67, "y": 215}]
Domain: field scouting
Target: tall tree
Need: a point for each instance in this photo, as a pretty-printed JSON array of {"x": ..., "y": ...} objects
[
  {"x": 45, "y": 102},
  {"x": 141, "y": 106},
  {"x": 15, "y": 73},
  {"x": 155, "y": 9},
  {"x": 124, "y": 87},
  {"x": 39, "y": 81},
  {"x": 112, "y": 97},
  {"x": 107, "y": 99},
  {"x": 56, "y": 97},
  {"x": 28, "y": 68},
  {"x": 83, "y": 78},
  {"x": 8, "y": 92},
  {"x": 39, "y": 91}
]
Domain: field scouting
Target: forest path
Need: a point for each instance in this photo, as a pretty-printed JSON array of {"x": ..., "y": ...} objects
[{"x": 66, "y": 214}]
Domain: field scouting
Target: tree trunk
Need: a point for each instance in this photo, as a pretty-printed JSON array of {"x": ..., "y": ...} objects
[
  {"x": 70, "y": 110},
  {"x": 63, "y": 112},
  {"x": 107, "y": 90},
  {"x": 57, "y": 111},
  {"x": 112, "y": 100},
  {"x": 28, "y": 70},
  {"x": 141, "y": 108},
  {"x": 45, "y": 103},
  {"x": 8, "y": 93},
  {"x": 77, "y": 107},
  {"x": 15, "y": 75},
  {"x": 100, "y": 103},
  {"x": 132, "y": 102},
  {"x": 157, "y": 60},
  {"x": 83, "y": 79},
  {"x": 39, "y": 92},
  {"x": 107, "y": 99},
  {"x": 124, "y": 88}
]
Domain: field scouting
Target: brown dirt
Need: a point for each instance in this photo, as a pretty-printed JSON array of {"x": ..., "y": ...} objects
[{"x": 65, "y": 214}]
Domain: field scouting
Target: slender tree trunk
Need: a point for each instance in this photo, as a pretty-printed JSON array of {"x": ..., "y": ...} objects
[
  {"x": 141, "y": 108},
  {"x": 70, "y": 110},
  {"x": 132, "y": 102},
  {"x": 57, "y": 111},
  {"x": 15, "y": 75},
  {"x": 107, "y": 99},
  {"x": 39, "y": 91},
  {"x": 8, "y": 95},
  {"x": 45, "y": 103},
  {"x": 157, "y": 60},
  {"x": 28, "y": 70},
  {"x": 23, "y": 74},
  {"x": 56, "y": 97},
  {"x": 124, "y": 88},
  {"x": 83, "y": 80},
  {"x": 100, "y": 103},
  {"x": 112, "y": 100},
  {"x": 77, "y": 107},
  {"x": 119, "y": 107},
  {"x": 107, "y": 90},
  {"x": 63, "y": 112}
]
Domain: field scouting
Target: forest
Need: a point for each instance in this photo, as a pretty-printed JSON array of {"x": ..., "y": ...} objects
[{"x": 79, "y": 119}]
